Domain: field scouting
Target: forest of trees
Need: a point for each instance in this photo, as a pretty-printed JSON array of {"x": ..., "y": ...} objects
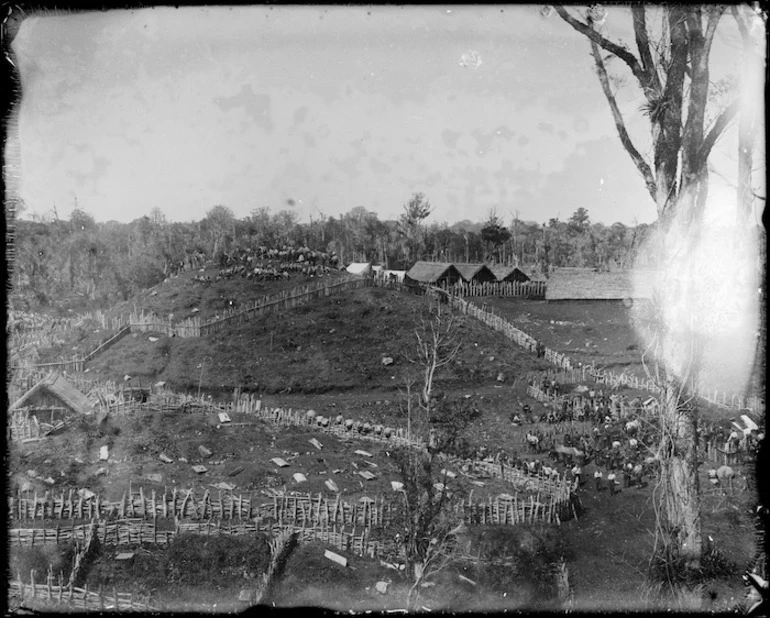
[{"x": 104, "y": 262}]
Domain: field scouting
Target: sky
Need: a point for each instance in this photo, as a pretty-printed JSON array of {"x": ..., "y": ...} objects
[{"x": 322, "y": 109}]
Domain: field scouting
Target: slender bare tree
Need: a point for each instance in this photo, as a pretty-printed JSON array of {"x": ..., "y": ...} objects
[{"x": 437, "y": 346}]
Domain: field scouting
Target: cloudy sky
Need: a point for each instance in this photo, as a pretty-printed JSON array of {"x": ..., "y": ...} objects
[{"x": 323, "y": 109}]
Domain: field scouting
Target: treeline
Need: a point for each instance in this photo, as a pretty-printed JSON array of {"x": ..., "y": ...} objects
[{"x": 104, "y": 262}]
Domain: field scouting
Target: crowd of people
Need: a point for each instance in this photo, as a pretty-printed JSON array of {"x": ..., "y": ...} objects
[
  {"x": 589, "y": 404},
  {"x": 286, "y": 254},
  {"x": 615, "y": 433},
  {"x": 263, "y": 264}
]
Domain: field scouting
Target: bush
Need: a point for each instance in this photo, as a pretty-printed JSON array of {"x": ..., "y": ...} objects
[
  {"x": 193, "y": 559},
  {"x": 58, "y": 557},
  {"x": 532, "y": 551},
  {"x": 669, "y": 568},
  {"x": 164, "y": 346}
]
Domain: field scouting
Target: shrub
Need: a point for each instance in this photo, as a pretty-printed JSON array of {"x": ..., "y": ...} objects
[
  {"x": 164, "y": 346},
  {"x": 532, "y": 552},
  {"x": 193, "y": 559},
  {"x": 58, "y": 557}
]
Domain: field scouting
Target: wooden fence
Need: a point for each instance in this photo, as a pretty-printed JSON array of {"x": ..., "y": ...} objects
[
  {"x": 141, "y": 321},
  {"x": 285, "y": 300},
  {"x": 332, "y": 521},
  {"x": 522, "y": 481},
  {"x": 397, "y": 436},
  {"x": 42, "y": 596},
  {"x": 519, "y": 337},
  {"x": 600, "y": 376},
  {"x": 137, "y": 532},
  {"x": 185, "y": 504},
  {"x": 23, "y": 427},
  {"x": 298, "y": 510},
  {"x": 74, "y": 364},
  {"x": 588, "y": 373},
  {"x": 146, "y": 321},
  {"x": 77, "y": 362},
  {"x": 516, "y": 510},
  {"x": 619, "y": 407},
  {"x": 526, "y": 289},
  {"x": 108, "y": 343}
]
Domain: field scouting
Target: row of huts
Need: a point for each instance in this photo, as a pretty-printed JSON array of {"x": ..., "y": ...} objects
[
  {"x": 445, "y": 273},
  {"x": 563, "y": 284},
  {"x": 441, "y": 273}
]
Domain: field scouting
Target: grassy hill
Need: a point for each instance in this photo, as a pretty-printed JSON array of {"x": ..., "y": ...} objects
[{"x": 333, "y": 344}]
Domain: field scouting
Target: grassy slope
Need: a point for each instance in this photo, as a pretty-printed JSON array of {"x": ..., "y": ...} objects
[
  {"x": 334, "y": 344},
  {"x": 178, "y": 296}
]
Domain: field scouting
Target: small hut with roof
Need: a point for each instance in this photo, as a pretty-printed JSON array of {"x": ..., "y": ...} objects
[
  {"x": 54, "y": 393},
  {"x": 434, "y": 273},
  {"x": 509, "y": 274},
  {"x": 475, "y": 273}
]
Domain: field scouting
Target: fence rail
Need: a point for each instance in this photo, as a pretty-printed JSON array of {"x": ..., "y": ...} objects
[
  {"x": 363, "y": 541},
  {"x": 23, "y": 427},
  {"x": 285, "y": 300},
  {"x": 525, "y": 289},
  {"x": 47, "y": 595},
  {"x": 313, "y": 517},
  {"x": 600, "y": 376},
  {"x": 307, "y": 509}
]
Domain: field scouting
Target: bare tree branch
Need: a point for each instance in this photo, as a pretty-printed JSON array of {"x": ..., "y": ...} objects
[
  {"x": 715, "y": 14},
  {"x": 622, "y": 53},
  {"x": 637, "y": 158},
  {"x": 720, "y": 124},
  {"x": 643, "y": 44}
]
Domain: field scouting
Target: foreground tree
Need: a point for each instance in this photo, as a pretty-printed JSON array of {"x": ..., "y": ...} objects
[
  {"x": 437, "y": 345},
  {"x": 431, "y": 525},
  {"x": 672, "y": 72}
]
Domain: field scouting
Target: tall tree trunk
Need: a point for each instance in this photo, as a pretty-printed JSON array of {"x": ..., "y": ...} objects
[{"x": 679, "y": 475}]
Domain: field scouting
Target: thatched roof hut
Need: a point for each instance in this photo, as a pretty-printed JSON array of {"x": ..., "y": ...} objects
[
  {"x": 569, "y": 283},
  {"x": 55, "y": 391},
  {"x": 476, "y": 273},
  {"x": 432, "y": 272},
  {"x": 509, "y": 274}
]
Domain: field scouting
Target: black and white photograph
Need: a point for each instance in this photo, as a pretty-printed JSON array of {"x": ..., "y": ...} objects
[{"x": 389, "y": 309}]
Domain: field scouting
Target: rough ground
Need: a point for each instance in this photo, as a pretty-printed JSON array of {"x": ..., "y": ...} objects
[{"x": 328, "y": 356}]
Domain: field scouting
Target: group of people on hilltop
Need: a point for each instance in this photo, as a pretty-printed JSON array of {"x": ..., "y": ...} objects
[
  {"x": 286, "y": 258},
  {"x": 286, "y": 254}
]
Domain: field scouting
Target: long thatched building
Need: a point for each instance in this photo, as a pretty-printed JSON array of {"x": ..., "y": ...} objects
[
  {"x": 436, "y": 273},
  {"x": 588, "y": 284}
]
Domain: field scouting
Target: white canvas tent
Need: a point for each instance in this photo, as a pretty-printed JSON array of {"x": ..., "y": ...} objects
[{"x": 360, "y": 268}]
